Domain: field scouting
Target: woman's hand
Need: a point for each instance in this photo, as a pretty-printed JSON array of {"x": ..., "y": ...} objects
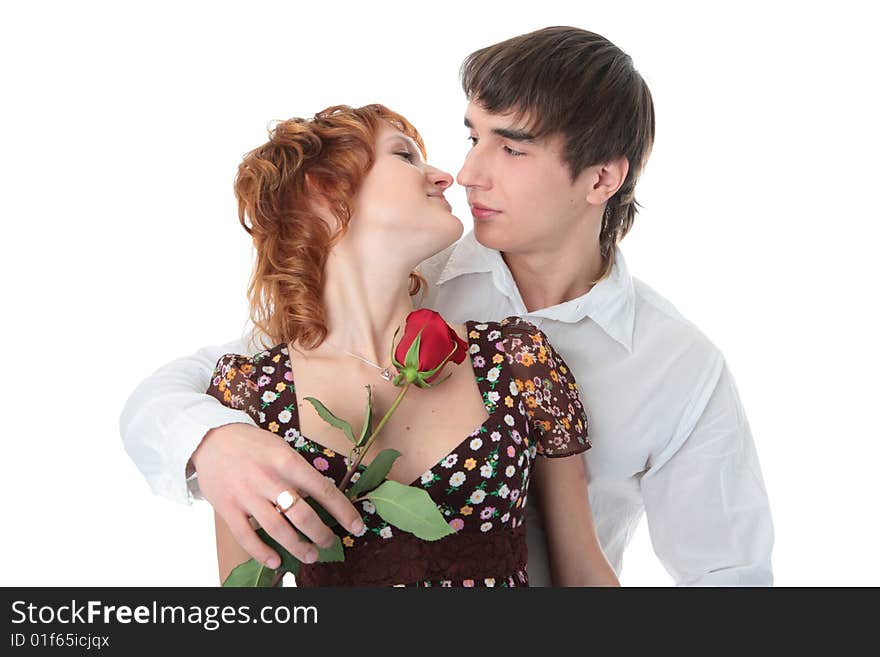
[{"x": 242, "y": 469}]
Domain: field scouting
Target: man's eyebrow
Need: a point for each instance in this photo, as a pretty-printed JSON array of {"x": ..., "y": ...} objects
[{"x": 507, "y": 133}]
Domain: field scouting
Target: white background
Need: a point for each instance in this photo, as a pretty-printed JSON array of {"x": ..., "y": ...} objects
[{"x": 122, "y": 129}]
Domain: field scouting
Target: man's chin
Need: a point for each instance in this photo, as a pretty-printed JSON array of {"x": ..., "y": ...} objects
[{"x": 492, "y": 236}]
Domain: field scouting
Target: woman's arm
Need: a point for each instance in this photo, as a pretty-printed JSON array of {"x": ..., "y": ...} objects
[
  {"x": 576, "y": 558},
  {"x": 229, "y": 553}
]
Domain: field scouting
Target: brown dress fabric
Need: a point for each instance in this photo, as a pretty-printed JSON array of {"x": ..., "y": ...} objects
[{"x": 481, "y": 486}]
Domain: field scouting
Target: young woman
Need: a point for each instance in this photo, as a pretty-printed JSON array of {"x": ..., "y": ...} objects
[{"x": 341, "y": 209}]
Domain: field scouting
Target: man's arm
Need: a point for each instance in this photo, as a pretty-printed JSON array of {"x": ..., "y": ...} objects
[
  {"x": 707, "y": 507},
  {"x": 170, "y": 419},
  {"x": 168, "y": 414}
]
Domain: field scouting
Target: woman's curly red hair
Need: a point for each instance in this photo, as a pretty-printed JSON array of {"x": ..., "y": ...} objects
[{"x": 336, "y": 148}]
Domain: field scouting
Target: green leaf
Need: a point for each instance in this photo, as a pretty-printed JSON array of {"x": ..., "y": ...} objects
[
  {"x": 375, "y": 473},
  {"x": 333, "y": 553},
  {"x": 326, "y": 555},
  {"x": 367, "y": 429},
  {"x": 331, "y": 419},
  {"x": 250, "y": 574},
  {"x": 254, "y": 574},
  {"x": 410, "y": 509},
  {"x": 430, "y": 373},
  {"x": 394, "y": 362},
  {"x": 424, "y": 385},
  {"x": 289, "y": 563},
  {"x": 412, "y": 355},
  {"x": 323, "y": 514}
]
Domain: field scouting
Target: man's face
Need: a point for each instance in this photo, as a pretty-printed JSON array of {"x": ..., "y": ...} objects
[{"x": 519, "y": 189}]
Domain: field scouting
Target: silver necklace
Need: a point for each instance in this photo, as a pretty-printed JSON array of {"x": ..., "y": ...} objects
[{"x": 384, "y": 372}]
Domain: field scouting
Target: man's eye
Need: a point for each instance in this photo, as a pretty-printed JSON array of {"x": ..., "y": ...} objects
[
  {"x": 512, "y": 152},
  {"x": 473, "y": 140}
]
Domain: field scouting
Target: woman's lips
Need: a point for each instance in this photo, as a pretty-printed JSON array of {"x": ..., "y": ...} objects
[
  {"x": 482, "y": 212},
  {"x": 442, "y": 198}
]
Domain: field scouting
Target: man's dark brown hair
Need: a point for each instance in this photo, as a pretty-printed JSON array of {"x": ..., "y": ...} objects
[{"x": 578, "y": 84}]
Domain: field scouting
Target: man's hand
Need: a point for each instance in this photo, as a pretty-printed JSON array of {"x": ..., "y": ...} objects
[{"x": 242, "y": 469}]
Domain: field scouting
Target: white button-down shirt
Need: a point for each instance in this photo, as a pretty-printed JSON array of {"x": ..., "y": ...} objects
[{"x": 670, "y": 437}]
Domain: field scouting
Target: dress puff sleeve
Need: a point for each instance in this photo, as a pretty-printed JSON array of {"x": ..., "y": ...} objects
[
  {"x": 234, "y": 384},
  {"x": 547, "y": 390}
]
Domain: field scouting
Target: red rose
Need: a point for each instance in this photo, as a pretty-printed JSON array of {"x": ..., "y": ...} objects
[{"x": 437, "y": 345}]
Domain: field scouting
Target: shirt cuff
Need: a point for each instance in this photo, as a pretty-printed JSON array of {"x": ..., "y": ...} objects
[
  {"x": 187, "y": 432},
  {"x": 759, "y": 574},
  {"x": 192, "y": 487}
]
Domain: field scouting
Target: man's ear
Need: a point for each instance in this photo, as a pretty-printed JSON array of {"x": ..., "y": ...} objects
[{"x": 608, "y": 177}]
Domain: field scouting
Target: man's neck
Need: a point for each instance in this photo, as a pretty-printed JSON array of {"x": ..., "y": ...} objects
[{"x": 548, "y": 278}]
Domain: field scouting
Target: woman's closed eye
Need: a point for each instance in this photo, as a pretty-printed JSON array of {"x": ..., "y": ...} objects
[{"x": 406, "y": 155}]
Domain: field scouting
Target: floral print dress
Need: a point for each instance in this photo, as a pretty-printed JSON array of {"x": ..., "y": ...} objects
[{"x": 481, "y": 486}]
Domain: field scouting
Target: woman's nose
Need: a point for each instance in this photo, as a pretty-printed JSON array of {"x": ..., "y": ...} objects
[{"x": 439, "y": 179}]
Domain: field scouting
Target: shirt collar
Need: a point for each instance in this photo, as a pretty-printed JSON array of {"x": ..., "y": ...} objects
[
  {"x": 469, "y": 257},
  {"x": 610, "y": 303}
]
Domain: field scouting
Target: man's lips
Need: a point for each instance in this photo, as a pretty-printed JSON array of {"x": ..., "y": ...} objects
[{"x": 482, "y": 212}]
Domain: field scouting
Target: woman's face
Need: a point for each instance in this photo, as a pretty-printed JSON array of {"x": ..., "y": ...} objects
[{"x": 401, "y": 203}]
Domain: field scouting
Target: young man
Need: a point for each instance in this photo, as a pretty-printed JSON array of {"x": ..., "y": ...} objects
[{"x": 561, "y": 125}]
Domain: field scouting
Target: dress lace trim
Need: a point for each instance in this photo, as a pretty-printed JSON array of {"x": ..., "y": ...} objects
[{"x": 410, "y": 560}]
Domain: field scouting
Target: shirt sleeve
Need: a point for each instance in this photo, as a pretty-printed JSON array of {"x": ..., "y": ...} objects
[
  {"x": 705, "y": 501},
  {"x": 548, "y": 391},
  {"x": 167, "y": 415}
]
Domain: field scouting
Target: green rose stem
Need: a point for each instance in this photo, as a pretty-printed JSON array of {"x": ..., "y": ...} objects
[
  {"x": 363, "y": 453},
  {"x": 276, "y": 579},
  {"x": 348, "y": 475},
  {"x": 408, "y": 374}
]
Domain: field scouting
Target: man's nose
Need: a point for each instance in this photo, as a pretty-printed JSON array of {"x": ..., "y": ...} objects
[{"x": 471, "y": 172}]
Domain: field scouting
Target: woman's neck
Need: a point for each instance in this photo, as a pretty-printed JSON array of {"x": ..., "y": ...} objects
[{"x": 365, "y": 303}]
